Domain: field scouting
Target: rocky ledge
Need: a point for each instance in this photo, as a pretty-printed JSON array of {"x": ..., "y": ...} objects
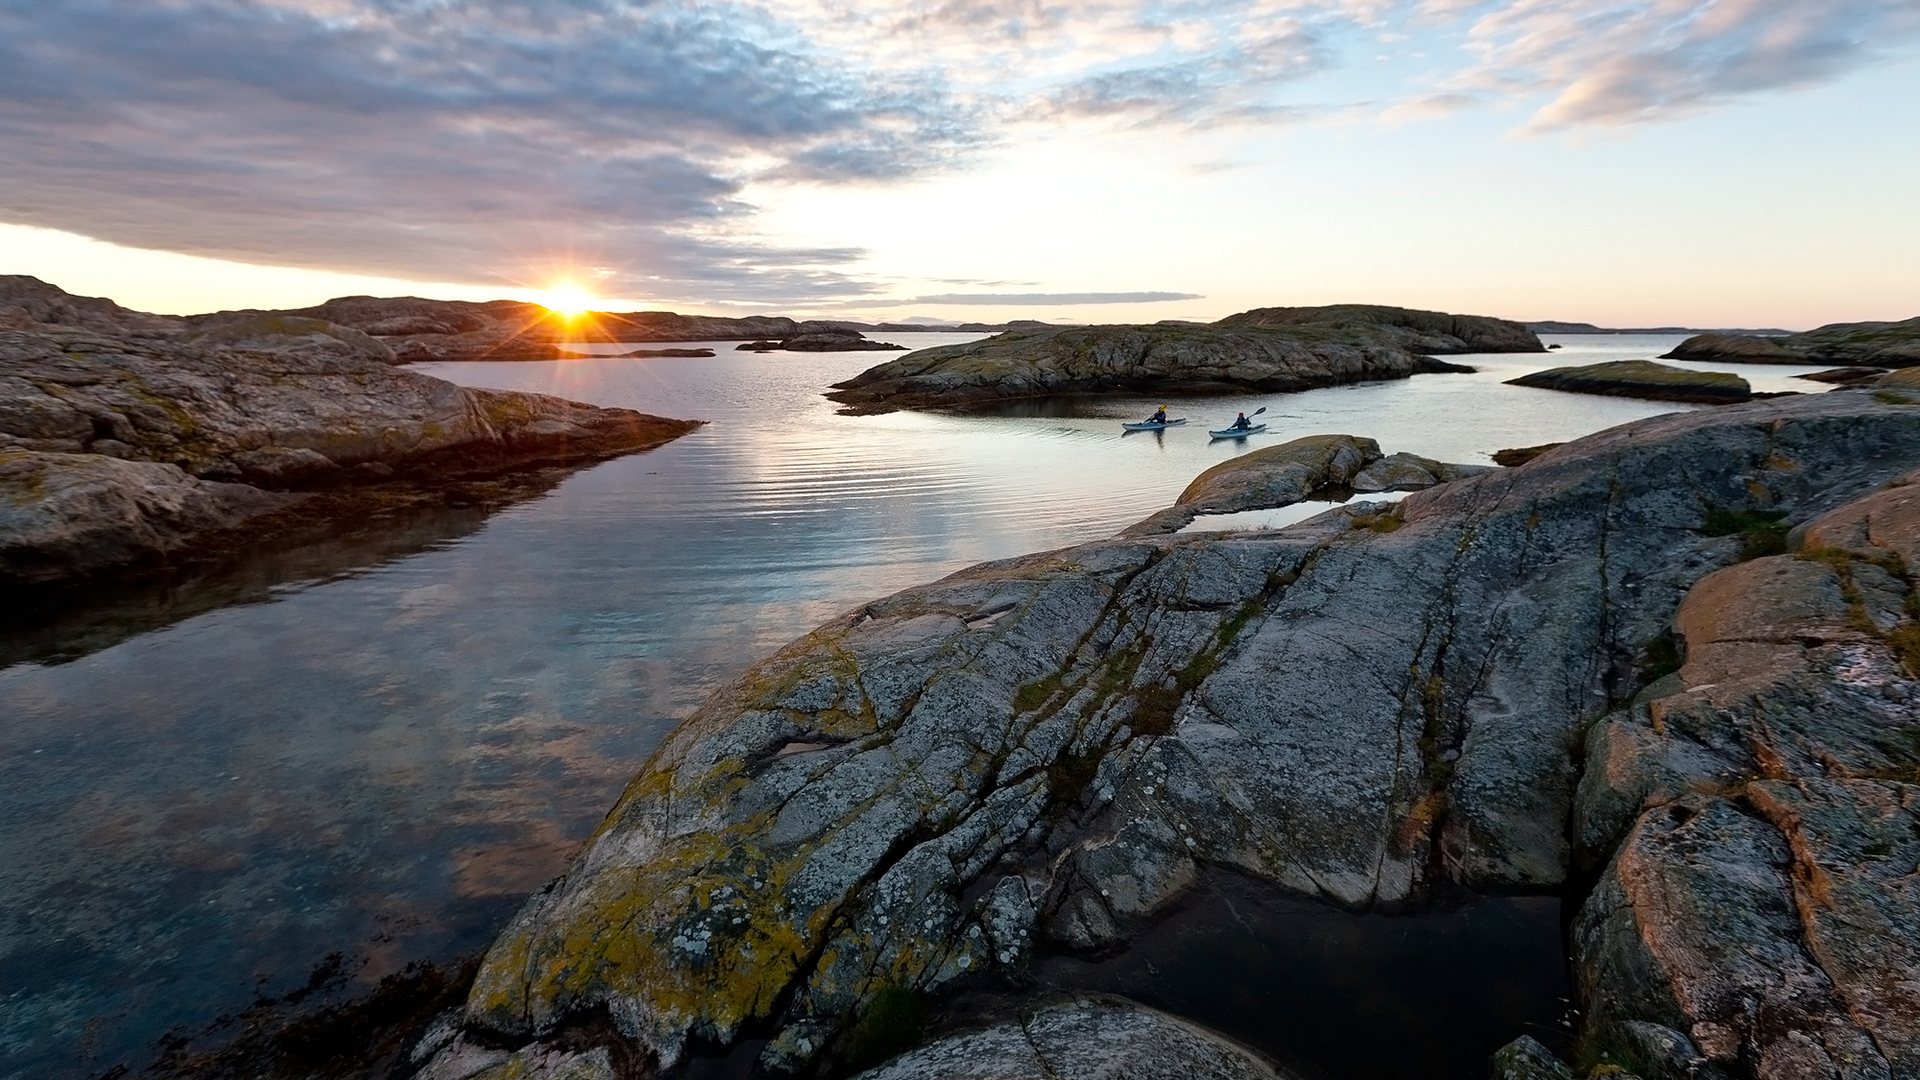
[
  {"x": 1880, "y": 344},
  {"x": 1267, "y": 350},
  {"x": 1642, "y": 379},
  {"x": 1667, "y": 670},
  {"x": 120, "y": 453}
]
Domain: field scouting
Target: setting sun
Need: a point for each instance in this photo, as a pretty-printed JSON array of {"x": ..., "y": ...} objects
[{"x": 566, "y": 300}]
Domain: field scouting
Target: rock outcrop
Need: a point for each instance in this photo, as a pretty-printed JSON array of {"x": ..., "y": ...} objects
[
  {"x": 1880, "y": 344},
  {"x": 1272, "y": 350},
  {"x": 118, "y": 450},
  {"x": 1433, "y": 333},
  {"x": 1642, "y": 379},
  {"x": 1464, "y": 688},
  {"x": 27, "y": 303}
]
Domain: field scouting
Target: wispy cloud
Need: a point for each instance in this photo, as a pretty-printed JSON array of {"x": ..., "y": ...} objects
[
  {"x": 1037, "y": 299},
  {"x": 471, "y": 140},
  {"x": 1611, "y": 62},
  {"x": 428, "y": 139}
]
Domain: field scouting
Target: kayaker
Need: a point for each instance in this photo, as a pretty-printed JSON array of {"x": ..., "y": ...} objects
[
  {"x": 1158, "y": 417},
  {"x": 1242, "y": 423}
]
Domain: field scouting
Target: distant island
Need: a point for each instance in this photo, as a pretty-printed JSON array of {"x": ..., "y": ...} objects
[
  {"x": 414, "y": 329},
  {"x": 1277, "y": 349},
  {"x": 1550, "y": 326}
]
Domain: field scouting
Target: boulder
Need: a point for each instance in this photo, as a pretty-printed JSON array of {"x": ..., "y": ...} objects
[
  {"x": 1367, "y": 707},
  {"x": 1081, "y": 1038},
  {"x": 1525, "y": 1059},
  {"x": 1409, "y": 472},
  {"x": 1642, "y": 379}
]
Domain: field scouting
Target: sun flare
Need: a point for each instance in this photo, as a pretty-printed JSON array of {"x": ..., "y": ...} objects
[{"x": 567, "y": 301}]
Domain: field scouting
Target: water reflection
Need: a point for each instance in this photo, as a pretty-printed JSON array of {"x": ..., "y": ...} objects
[
  {"x": 1334, "y": 995},
  {"x": 382, "y": 763}
]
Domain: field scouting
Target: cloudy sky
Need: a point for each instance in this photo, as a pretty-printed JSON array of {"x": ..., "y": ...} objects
[{"x": 1704, "y": 162}]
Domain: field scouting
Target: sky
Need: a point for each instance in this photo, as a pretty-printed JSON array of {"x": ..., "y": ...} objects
[{"x": 1743, "y": 163}]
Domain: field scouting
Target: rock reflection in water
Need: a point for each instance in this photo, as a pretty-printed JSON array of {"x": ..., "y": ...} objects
[
  {"x": 1335, "y": 994},
  {"x": 59, "y": 626}
]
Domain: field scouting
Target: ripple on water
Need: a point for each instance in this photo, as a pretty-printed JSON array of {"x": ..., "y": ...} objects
[{"x": 379, "y": 753}]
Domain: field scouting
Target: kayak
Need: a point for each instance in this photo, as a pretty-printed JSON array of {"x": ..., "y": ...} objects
[
  {"x": 1151, "y": 426},
  {"x": 1238, "y": 433}
]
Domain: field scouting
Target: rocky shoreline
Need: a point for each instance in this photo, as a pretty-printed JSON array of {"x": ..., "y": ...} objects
[
  {"x": 1877, "y": 344},
  {"x": 1273, "y": 350},
  {"x": 127, "y": 448},
  {"x": 1667, "y": 670}
]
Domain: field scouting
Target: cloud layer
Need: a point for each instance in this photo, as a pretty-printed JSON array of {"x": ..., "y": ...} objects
[{"x": 476, "y": 140}]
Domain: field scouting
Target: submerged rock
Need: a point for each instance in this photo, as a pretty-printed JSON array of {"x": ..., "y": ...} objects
[
  {"x": 1362, "y": 708},
  {"x": 1270, "y": 349},
  {"x": 1525, "y": 1059},
  {"x": 1642, "y": 379},
  {"x": 1083, "y": 1038}
]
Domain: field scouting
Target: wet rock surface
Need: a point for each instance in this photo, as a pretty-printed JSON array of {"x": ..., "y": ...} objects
[
  {"x": 1642, "y": 379},
  {"x": 1465, "y": 689},
  {"x": 117, "y": 448},
  {"x": 1269, "y": 349}
]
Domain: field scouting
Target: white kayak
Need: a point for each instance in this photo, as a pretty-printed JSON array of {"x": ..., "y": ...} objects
[
  {"x": 1238, "y": 433},
  {"x": 1150, "y": 425}
]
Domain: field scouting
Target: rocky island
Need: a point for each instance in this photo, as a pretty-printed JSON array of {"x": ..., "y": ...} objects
[
  {"x": 1267, "y": 349},
  {"x": 1877, "y": 344},
  {"x": 131, "y": 441},
  {"x": 1642, "y": 379},
  {"x": 1667, "y": 671}
]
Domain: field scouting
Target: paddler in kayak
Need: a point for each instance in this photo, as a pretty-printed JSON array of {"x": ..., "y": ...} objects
[
  {"x": 1159, "y": 417},
  {"x": 1241, "y": 424}
]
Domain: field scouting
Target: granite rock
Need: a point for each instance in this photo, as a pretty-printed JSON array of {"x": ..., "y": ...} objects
[
  {"x": 1364, "y": 707},
  {"x": 1082, "y": 1038}
]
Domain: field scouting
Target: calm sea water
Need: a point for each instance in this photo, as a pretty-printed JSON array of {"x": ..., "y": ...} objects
[{"x": 382, "y": 761}]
